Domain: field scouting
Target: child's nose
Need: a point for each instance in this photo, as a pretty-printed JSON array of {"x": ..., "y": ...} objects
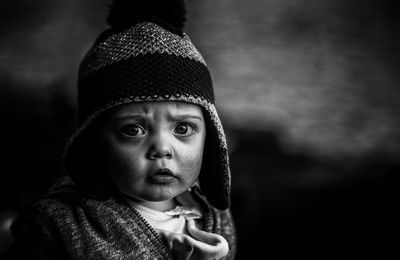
[{"x": 160, "y": 147}]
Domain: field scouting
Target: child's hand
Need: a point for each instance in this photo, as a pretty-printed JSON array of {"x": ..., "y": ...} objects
[
  {"x": 210, "y": 245},
  {"x": 202, "y": 245}
]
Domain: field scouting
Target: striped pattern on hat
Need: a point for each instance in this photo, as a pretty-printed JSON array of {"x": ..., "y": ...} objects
[
  {"x": 144, "y": 61},
  {"x": 140, "y": 39}
]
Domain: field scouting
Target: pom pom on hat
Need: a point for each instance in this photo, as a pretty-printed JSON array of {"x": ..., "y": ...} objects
[{"x": 167, "y": 13}]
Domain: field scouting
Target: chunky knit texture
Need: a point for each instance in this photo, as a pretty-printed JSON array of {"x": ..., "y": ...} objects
[
  {"x": 141, "y": 39},
  {"x": 73, "y": 224},
  {"x": 145, "y": 60}
]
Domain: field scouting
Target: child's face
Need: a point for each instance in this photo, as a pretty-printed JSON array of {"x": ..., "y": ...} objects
[{"x": 154, "y": 150}]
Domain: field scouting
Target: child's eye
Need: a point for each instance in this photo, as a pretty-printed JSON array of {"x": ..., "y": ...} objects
[
  {"x": 132, "y": 130},
  {"x": 183, "y": 129}
]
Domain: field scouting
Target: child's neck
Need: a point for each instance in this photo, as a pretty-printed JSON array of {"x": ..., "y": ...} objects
[{"x": 159, "y": 205}]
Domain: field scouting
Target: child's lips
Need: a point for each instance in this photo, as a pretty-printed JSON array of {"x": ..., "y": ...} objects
[{"x": 162, "y": 176}]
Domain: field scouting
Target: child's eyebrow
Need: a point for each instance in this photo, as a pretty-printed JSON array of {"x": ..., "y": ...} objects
[
  {"x": 128, "y": 116},
  {"x": 185, "y": 116},
  {"x": 170, "y": 117}
]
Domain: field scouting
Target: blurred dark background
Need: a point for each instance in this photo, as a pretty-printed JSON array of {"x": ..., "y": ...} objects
[{"x": 308, "y": 92}]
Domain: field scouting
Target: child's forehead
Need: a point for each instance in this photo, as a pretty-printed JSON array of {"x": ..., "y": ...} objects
[{"x": 159, "y": 107}]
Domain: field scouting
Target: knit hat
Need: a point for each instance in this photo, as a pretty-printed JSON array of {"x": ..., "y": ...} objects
[{"x": 145, "y": 56}]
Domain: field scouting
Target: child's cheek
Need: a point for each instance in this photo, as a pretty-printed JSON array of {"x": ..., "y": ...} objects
[{"x": 191, "y": 165}]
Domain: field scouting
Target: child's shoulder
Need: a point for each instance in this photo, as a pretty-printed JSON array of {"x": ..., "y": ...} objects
[{"x": 63, "y": 201}]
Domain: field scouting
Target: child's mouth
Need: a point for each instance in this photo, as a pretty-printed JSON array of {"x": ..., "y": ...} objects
[{"x": 162, "y": 176}]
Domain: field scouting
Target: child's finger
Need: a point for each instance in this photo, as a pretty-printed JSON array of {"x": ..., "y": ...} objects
[
  {"x": 212, "y": 243},
  {"x": 181, "y": 243},
  {"x": 206, "y": 237},
  {"x": 206, "y": 251}
]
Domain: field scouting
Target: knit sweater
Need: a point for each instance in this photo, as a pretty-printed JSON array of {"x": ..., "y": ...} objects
[{"x": 70, "y": 223}]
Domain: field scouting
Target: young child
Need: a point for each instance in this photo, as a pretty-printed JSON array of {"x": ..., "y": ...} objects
[{"x": 148, "y": 174}]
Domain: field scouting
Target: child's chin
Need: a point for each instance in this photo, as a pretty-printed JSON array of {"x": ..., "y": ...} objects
[{"x": 158, "y": 196}]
